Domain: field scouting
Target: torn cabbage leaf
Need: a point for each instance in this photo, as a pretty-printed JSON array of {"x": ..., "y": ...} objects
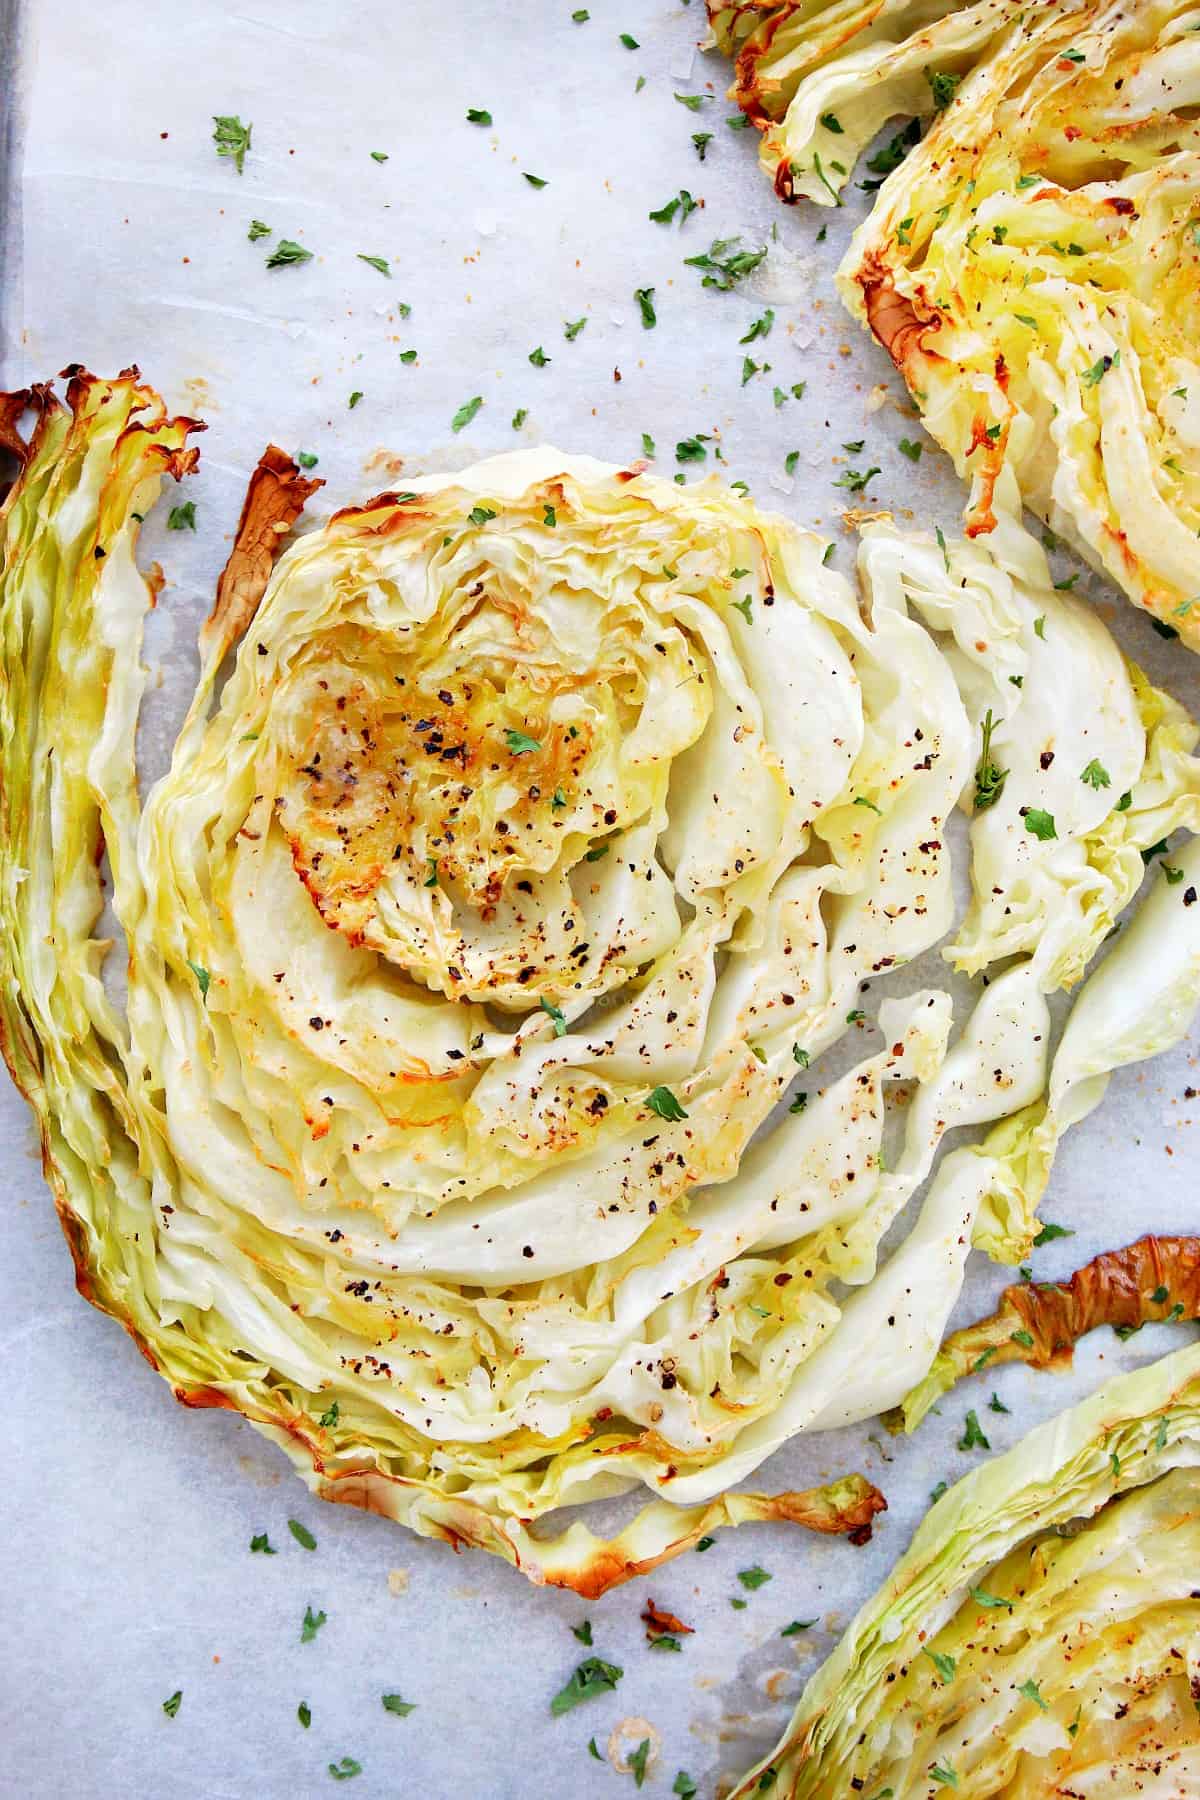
[
  {"x": 1041, "y": 1634},
  {"x": 1031, "y": 263},
  {"x": 1153, "y": 1281},
  {"x": 465, "y": 1129}
]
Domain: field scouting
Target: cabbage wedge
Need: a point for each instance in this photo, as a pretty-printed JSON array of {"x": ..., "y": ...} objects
[
  {"x": 529, "y": 838},
  {"x": 1041, "y": 1634},
  {"x": 1031, "y": 263}
]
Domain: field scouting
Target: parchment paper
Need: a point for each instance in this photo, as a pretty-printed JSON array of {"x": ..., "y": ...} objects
[{"x": 125, "y": 1561}]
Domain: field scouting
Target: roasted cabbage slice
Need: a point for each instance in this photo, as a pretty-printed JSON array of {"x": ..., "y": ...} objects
[
  {"x": 1033, "y": 263},
  {"x": 1041, "y": 1634},
  {"x": 548, "y": 824}
]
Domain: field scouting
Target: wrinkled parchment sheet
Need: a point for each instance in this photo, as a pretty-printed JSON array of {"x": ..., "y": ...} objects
[{"x": 127, "y": 1572}]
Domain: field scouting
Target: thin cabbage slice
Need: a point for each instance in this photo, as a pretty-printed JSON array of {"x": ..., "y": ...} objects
[
  {"x": 550, "y": 824},
  {"x": 1041, "y": 1634}
]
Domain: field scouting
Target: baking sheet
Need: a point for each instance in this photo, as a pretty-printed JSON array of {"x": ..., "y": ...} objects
[{"x": 125, "y": 1560}]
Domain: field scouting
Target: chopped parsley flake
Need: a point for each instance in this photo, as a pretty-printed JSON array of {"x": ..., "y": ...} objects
[
  {"x": 478, "y": 115},
  {"x": 393, "y": 1703},
  {"x": 312, "y": 1623},
  {"x": 518, "y": 742},
  {"x": 754, "y": 1577},
  {"x": 591, "y": 1678},
  {"x": 232, "y": 138},
  {"x": 912, "y": 450},
  {"x": 171, "y": 1706},
  {"x": 1040, "y": 823},
  {"x": 466, "y": 413},
  {"x": 302, "y": 1534},
  {"x": 637, "y": 1762},
  {"x": 797, "y": 1626},
  {"x": 1049, "y": 1232},
  {"x": 354, "y": 399},
  {"x": 538, "y": 358},
  {"x": 945, "y": 1665},
  {"x": 535, "y": 181},
  {"x": 663, "y": 1102},
  {"x": 760, "y": 328},
  {"x": 260, "y": 1541},
  {"x": 182, "y": 518},
  {"x": 346, "y": 1769},
  {"x": 690, "y": 450},
  {"x": 893, "y": 153},
  {"x": 304, "y": 1714},
  {"x": 1100, "y": 369},
  {"x": 1096, "y": 775},
  {"x": 989, "y": 777},
  {"x": 258, "y": 230},
  {"x": 560, "y": 1029},
  {"x": 286, "y": 252},
  {"x": 944, "y": 86},
  {"x": 645, "y": 300},
  {"x": 724, "y": 264},
  {"x": 701, "y": 139},
  {"x": 855, "y": 480},
  {"x": 693, "y": 102},
  {"x": 974, "y": 1436},
  {"x": 629, "y": 41},
  {"x": 682, "y": 203}
]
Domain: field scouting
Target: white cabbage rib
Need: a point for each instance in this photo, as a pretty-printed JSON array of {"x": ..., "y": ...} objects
[
  {"x": 551, "y": 824},
  {"x": 1031, "y": 263}
]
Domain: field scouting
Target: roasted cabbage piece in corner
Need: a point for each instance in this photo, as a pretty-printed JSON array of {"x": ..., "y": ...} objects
[
  {"x": 1041, "y": 1634},
  {"x": 546, "y": 828},
  {"x": 1033, "y": 263}
]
